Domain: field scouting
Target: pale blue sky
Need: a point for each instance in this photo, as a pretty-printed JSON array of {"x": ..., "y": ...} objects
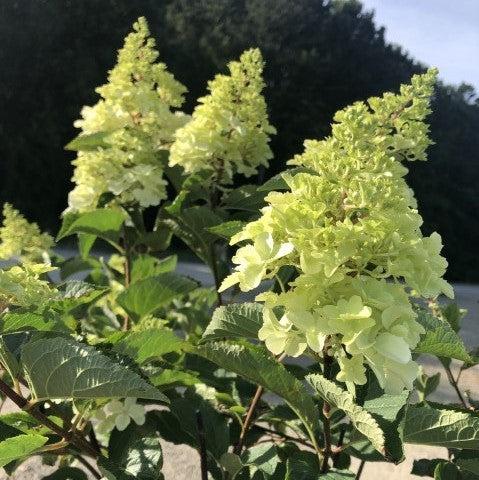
[{"x": 441, "y": 33}]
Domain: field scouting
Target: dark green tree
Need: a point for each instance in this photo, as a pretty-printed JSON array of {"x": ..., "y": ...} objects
[{"x": 321, "y": 55}]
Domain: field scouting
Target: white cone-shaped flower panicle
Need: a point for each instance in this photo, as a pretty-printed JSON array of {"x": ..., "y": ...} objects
[
  {"x": 229, "y": 132},
  {"x": 350, "y": 226},
  {"x": 136, "y": 121},
  {"x": 20, "y": 238}
]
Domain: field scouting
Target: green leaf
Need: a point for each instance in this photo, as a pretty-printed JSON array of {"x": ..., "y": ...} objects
[
  {"x": 192, "y": 226},
  {"x": 85, "y": 244},
  {"x": 173, "y": 378},
  {"x": 467, "y": 461},
  {"x": 10, "y": 346},
  {"x": 440, "y": 339},
  {"x": 77, "y": 264},
  {"x": 426, "y": 425},
  {"x": 425, "y": 385},
  {"x": 425, "y": 467},
  {"x": 104, "y": 223},
  {"x": 235, "y": 320},
  {"x": 215, "y": 425},
  {"x": 62, "y": 368},
  {"x": 231, "y": 463},
  {"x": 304, "y": 466},
  {"x": 179, "y": 425},
  {"x": 257, "y": 366},
  {"x": 387, "y": 406},
  {"x": 245, "y": 198},
  {"x": 264, "y": 457},
  {"x": 146, "y": 296},
  {"x": 453, "y": 314},
  {"x": 227, "y": 229},
  {"x": 111, "y": 471},
  {"x": 145, "y": 266},
  {"x": 388, "y": 411},
  {"x": 20, "y": 446},
  {"x": 76, "y": 293},
  {"x": 158, "y": 240},
  {"x": 137, "y": 450},
  {"x": 67, "y": 473},
  {"x": 148, "y": 345},
  {"x": 18, "y": 322},
  {"x": 88, "y": 142},
  {"x": 360, "y": 418},
  {"x": 447, "y": 471}
]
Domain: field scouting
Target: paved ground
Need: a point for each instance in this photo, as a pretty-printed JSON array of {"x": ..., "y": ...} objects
[{"x": 182, "y": 463}]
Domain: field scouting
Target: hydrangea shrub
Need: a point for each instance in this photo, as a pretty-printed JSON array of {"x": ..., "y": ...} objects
[{"x": 110, "y": 352}]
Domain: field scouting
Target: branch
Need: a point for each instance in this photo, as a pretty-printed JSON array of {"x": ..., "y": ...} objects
[
  {"x": 25, "y": 405},
  {"x": 286, "y": 436},
  {"x": 327, "y": 450},
  {"x": 202, "y": 444},
  {"x": 453, "y": 383},
  {"x": 360, "y": 469},
  {"x": 249, "y": 415},
  {"x": 88, "y": 466}
]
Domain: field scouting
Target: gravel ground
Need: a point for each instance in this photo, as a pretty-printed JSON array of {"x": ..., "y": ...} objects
[{"x": 182, "y": 462}]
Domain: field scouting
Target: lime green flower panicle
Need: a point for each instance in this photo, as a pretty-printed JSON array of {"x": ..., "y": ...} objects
[
  {"x": 135, "y": 120},
  {"x": 21, "y": 286},
  {"x": 349, "y": 225},
  {"x": 20, "y": 238},
  {"x": 229, "y": 132}
]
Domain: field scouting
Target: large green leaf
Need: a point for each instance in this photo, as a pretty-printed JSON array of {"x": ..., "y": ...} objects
[
  {"x": 440, "y": 339},
  {"x": 137, "y": 450},
  {"x": 20, "y": 446},
  {"x": 426, "y": 425},
  {"x": 104, "y": 223},
  {"x": 360, "y": 418},
  {"x": 235, "y": 320},
  {"x": 62, "y": 368},
  {"x": 257, "y": 366},
  {"x": 148, "y": 344},
  {"x": 145, "y": 296}
]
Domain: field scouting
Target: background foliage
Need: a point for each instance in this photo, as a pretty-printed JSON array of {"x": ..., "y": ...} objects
[{"x": 320, "y": 56}]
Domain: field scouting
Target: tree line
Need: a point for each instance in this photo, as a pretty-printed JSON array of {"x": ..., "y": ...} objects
[{"x": 320, "y": 56}]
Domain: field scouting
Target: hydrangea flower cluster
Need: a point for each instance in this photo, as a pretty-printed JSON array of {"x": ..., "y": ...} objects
[
  {"x": 119, "y": 414},
  {"x": 20, "y": 238},
  {"x": 22, "y": 286},
  {"x": 350, "y": 225},
  {"x": 230, "y": 131},
  {"x": 135, "y": 121}
]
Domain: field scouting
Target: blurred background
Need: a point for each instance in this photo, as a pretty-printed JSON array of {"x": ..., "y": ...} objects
[{"x": 320, "y": 56}]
